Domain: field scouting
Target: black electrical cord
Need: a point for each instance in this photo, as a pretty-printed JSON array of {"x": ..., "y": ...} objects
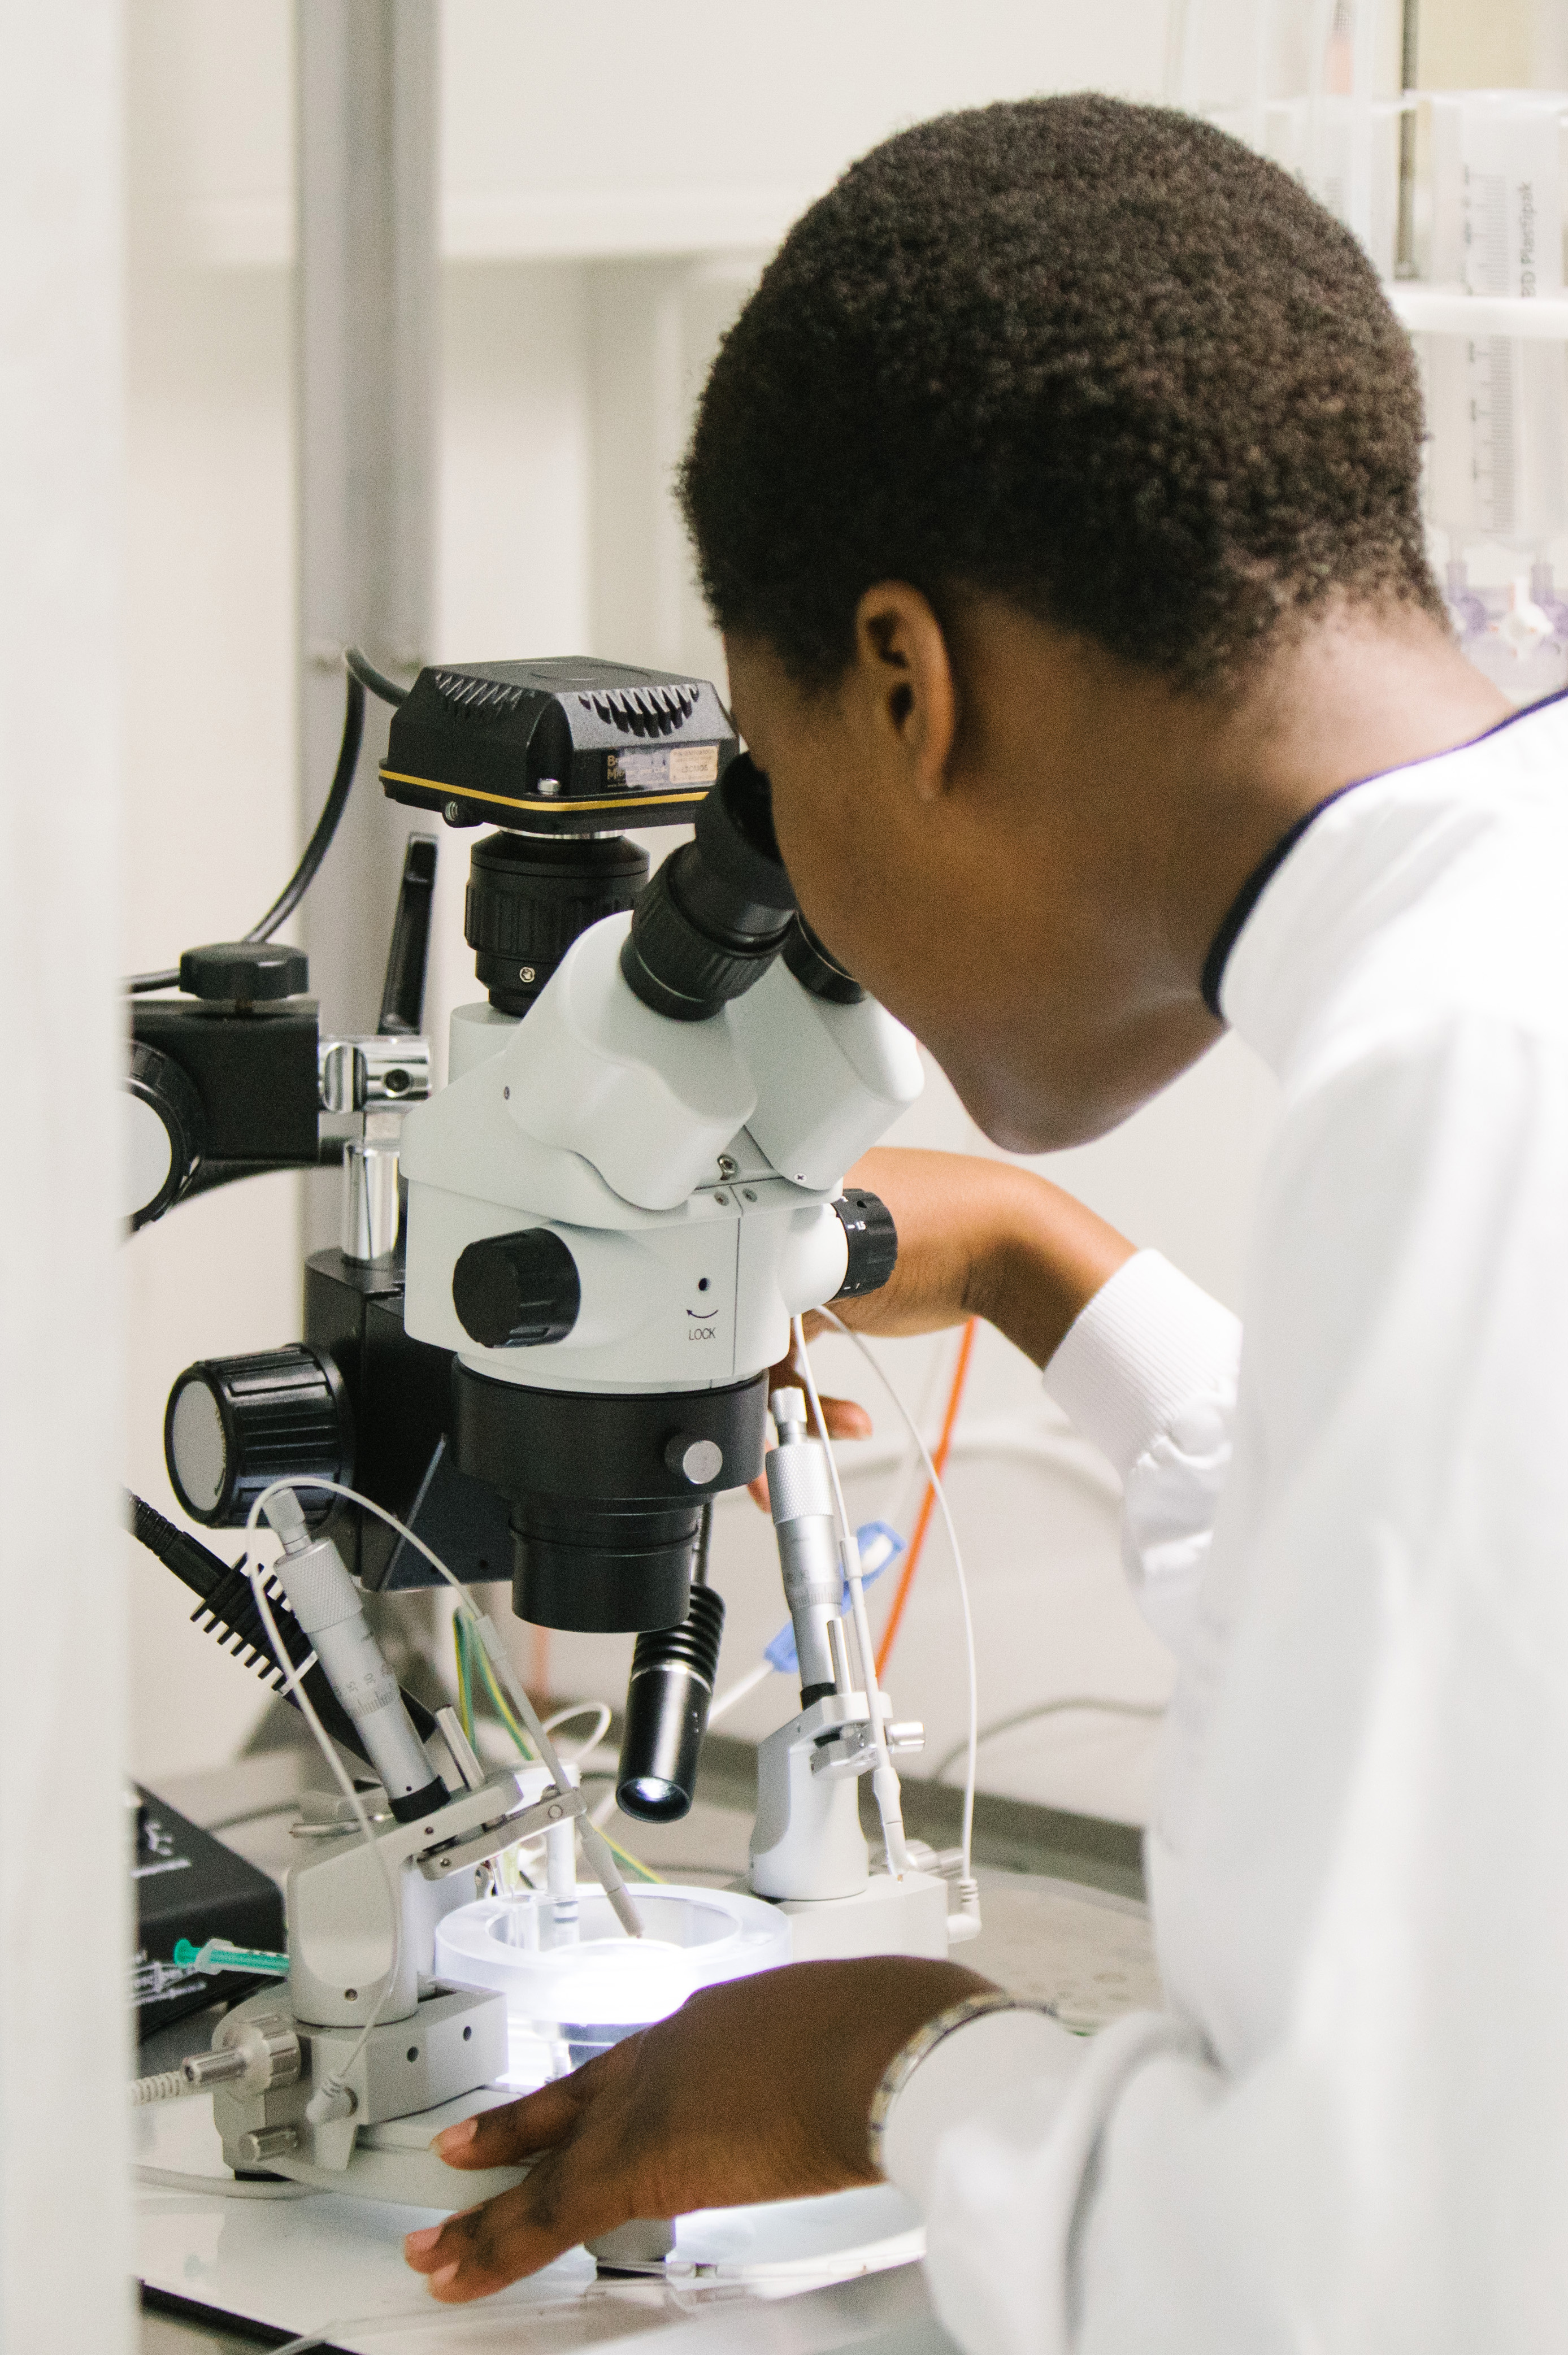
[
  {"x": 360, "y": 666},
  {"x": 332, "y": 809},
  {"x": 362, "y": 674}
]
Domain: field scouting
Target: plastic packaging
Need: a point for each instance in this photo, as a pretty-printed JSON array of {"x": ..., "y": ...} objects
[{"x": 880, "y": 1545}]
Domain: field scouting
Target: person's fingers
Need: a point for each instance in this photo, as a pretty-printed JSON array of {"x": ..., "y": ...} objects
[
  {"x": 482, "y": 2249},
  {"x": 518, "y": 2130},
  {"x": 844, "y": 1418}
]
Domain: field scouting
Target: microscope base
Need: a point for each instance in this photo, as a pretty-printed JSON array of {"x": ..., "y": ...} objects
[{"x": 907, "y": 1916}]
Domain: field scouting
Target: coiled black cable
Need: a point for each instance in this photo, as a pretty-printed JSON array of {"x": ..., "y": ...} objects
[{"x": 362, "y": 674}]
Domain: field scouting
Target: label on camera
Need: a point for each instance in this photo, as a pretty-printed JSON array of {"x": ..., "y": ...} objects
[{"x": 680, "y": 764}]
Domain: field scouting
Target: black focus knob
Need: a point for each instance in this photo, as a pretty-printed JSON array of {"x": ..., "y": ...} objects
[
  {"x": 517, "y": 1292},
  {"x": 530, "y": 896},
  {"x": 167, "y": 1133},
  {"x": 245, "y": 972},
  {"x": 233, "y": 1425},
  {"x": 873, "y": 1242}
]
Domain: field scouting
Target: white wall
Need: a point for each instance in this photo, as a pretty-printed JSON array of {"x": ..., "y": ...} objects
[
  {"x": 614, "y": 177},
  {"x": 210, "y": 831},
  {"x": 64, "y": 1932}
]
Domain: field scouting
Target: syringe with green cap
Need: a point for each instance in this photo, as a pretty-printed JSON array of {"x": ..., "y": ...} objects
[{"x": 218, "y": 1956}]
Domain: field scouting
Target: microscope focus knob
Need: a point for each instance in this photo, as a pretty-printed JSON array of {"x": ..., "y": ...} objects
[
  {"x": 873, "y": 1242},
  {"x": 233, "y": 1425},
  {"x": 517, "y": 1292}
]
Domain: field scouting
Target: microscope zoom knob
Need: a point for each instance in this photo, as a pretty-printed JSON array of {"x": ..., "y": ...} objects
[
  {"x": 233, "y": 1425},
  {"x": 517, "y": 1292},
  {"x": 873, "y": 1242}
]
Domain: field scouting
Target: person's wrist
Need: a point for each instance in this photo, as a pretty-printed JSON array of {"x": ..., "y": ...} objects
[
  {"x": 888, "y": 2001},
  {"x": 1038, "y": 1259}
]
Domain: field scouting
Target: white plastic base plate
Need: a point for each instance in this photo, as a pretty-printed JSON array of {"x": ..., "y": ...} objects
[
  {"x": 844, "y": 2265},
  {"x": 908, "y": 1916}
]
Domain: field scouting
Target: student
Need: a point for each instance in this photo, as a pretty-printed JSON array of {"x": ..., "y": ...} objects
[{"x": 1057, "y": 494}]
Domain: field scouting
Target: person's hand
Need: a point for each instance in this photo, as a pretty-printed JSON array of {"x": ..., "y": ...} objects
[
  {"x": 981, "y": 1238},
  {"x": 760, "y": 2089},
  {"x": 977, "y": 1238},
  {"x": 844, "y": 1418}
]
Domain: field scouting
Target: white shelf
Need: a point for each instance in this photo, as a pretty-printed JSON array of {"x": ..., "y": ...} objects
[
  {"x": 516, "y": 225},
  {"x": 1450, "y": 311}
]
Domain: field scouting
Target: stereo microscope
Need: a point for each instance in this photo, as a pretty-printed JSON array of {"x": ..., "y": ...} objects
[{"x": 543, "y": 1345}]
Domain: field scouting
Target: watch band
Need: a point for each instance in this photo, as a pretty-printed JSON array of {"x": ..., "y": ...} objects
[{"x": 925, "y": 2041}]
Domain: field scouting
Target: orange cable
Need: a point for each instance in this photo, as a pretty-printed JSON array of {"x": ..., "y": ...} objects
[
  {"x": 939, "y": 1457},
  {"x": 539, "y": 1665}
]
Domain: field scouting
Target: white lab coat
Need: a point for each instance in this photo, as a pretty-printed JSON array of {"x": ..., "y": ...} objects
[{"x": 1349, "y": 2131}]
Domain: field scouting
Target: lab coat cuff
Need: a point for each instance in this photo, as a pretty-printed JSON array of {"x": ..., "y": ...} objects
[
  {"x": 1148, "y": 1343},
  {"x": 959, "y": 2075}
]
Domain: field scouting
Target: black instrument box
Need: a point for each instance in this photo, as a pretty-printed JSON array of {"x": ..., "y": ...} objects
[{"x": 188, "y": 1885}]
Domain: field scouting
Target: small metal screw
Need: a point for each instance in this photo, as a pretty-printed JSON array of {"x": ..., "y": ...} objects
[
  {"x": 350, "y": 1995},
  {"x": 452, "y": 812},
  {"x": 748, "y": 1193},
  {"x": 549, "y": 787},
  {"x": 701, "y": 1461},
  {"x": 722, "y": 1199},
  {"x": 727, "y": 1166},
  {"x": 525, "y": 973}
]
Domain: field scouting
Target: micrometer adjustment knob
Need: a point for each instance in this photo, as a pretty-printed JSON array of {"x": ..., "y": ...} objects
[
  {"x": 873, "y": 1242},
  {"x": 518, "y": 1290}
]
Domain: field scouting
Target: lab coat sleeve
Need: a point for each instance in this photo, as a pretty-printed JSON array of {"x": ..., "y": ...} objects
[
  {"x": 1351, "y": 2130},
  {"x": 1147, "y": 1373}
]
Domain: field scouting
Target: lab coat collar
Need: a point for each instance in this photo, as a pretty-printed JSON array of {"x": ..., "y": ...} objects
[{"x": 1371, "y": 851}]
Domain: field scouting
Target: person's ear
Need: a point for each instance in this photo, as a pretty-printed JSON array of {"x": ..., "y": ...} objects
[{"x": 903, "y": 680}]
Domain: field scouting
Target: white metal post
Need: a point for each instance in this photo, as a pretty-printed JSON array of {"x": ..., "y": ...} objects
[{"x": 367, "y": 125}]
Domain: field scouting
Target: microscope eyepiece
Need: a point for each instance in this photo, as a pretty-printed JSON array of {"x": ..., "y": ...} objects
[{"x": 716, "y": 915}]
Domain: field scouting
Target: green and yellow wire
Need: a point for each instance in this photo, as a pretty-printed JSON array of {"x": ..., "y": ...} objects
[{"x": 463, "y": 1645}]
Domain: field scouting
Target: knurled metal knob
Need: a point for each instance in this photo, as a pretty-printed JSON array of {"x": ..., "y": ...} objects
[{"x": 245, "y": 972}]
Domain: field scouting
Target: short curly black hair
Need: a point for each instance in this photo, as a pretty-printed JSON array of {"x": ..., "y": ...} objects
[{"x": 1098, "y": 357}]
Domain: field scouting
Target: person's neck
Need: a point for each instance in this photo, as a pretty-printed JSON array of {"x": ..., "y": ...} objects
[{"x": 1363, "y": 693}]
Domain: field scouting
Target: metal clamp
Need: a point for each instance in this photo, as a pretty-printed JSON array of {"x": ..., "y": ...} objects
[{"x": 356, "y": 1074}]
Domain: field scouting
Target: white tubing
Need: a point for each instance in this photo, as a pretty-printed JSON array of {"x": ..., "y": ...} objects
[
  {"x": 322, "y": 2102},
  {"x": 600, "y": 1861},
  {"x": 972, "y": 1773}
]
